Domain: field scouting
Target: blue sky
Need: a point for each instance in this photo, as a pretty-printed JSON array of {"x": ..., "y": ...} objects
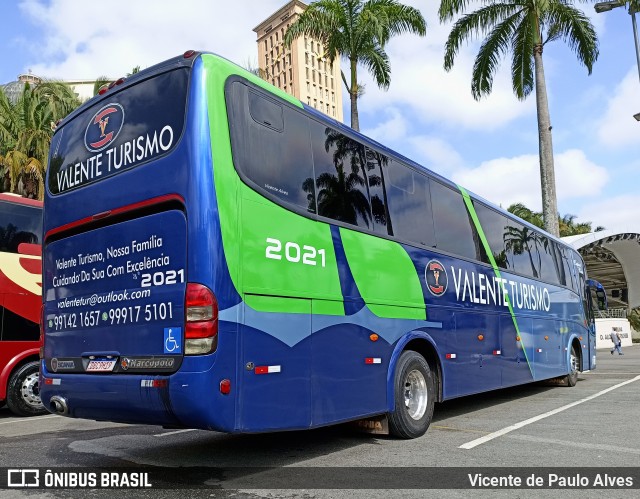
[{"x": 490, "y": 147}]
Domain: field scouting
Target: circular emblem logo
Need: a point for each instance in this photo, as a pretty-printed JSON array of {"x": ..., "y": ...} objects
[
  {"x": 104, "y": 127},
  {"x": 54, "y": 365},
  {"x": 436, "y": 278},
  {"x": 124, "y": 363}
]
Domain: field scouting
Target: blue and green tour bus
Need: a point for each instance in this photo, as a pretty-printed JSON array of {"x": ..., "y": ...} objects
[{"x": 219, "y": 255}]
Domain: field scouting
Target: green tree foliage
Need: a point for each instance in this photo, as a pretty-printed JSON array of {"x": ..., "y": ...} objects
[
  {"x": 522, "y": 28},
  {"x": 26, "y": 128},
  {"x": 100, "y": 82},
  {"x": 357, "y": 31},
  {"x": 567, "y": 223}
]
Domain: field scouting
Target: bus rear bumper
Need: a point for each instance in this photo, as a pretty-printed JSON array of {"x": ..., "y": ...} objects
[{"x": 136, "y": 399}]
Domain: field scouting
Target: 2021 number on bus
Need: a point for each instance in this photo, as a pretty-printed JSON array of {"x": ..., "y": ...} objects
[{"x": 307, "y": 256}]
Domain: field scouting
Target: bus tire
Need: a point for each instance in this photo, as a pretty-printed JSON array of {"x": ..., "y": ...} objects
[
  {"x": 572, "y": 377},
  {"x": 23, "y": 395},
  {"x": 413, "y": 388}
]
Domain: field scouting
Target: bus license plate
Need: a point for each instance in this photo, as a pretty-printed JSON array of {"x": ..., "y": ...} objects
[{"x": 105, "y": 365}]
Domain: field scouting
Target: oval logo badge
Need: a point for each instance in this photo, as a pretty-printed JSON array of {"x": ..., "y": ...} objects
[
  {"x": 104, "y": 127},
  {"x": 436, "y": 278}
]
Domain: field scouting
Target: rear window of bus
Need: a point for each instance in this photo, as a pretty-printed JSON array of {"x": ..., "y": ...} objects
[
  {"x": 128, "y": 128},
  {"x": 19, "y": 224}
]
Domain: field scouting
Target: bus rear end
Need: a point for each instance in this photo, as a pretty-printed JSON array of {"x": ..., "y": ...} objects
[{"x": 130, "y": 321}]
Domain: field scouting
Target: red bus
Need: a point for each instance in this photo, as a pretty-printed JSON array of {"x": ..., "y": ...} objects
[{"x": 20, "y": 302}]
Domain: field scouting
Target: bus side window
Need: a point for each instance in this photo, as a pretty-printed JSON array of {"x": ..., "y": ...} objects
[
  {"x": 376, "y": 164},
  {"x": 409, "y": 204},
  {"x": 495, "y": 226},
  {"x": 454, "y": 231},
  {"x": 340, "y": 178},
  {"x": 548, "y": 262},
  {"x": 561, "y": 270},
  {"x": 270, "y": 146}
]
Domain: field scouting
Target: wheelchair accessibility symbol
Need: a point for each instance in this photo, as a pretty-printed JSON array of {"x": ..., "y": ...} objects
[{"x": 172, "y": 340}]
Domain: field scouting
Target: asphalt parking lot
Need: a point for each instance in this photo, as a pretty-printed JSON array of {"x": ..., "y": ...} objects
[{"x": 535, "y": 429}]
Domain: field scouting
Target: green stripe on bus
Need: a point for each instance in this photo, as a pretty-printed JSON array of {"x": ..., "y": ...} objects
[
  {"x": 483, "y": 238},
  {"x": 385, "y": 275}
]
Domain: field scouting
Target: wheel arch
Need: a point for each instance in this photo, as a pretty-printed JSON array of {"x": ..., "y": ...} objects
[
  {"x": 30, "y": 355},
  {"x": 423, "y": 344}
]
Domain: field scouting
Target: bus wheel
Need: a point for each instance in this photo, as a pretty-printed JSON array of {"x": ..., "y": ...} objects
[
  {"x": 572, "y": 377},
  {"x": 414, "y": 396},
  {"x": 23, "y": 395}
]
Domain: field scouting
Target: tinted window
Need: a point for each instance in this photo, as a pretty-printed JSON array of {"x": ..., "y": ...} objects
[
  {"x": 270, "y": 145},
  {"x": 340, "y": 177},
  {"x": 409, "y": 204},
  {"x": 567, "y": 265},
  {"x": 376, "y": 163},
  {"x": 522, "y": 246},
  {"x": 495, "y": 226},
  {"x": 18, "y": 328},
  {"x": 19, "y": 224},
  {"x": 130, "y": 127},
  {"x": 548, "y": 261},
  {"x": 266, "y": 112},
  {"x": 454, "y": 229}
]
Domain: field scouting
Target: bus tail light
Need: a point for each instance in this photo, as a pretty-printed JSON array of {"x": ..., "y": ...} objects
[{"x": 201, "y": 330}]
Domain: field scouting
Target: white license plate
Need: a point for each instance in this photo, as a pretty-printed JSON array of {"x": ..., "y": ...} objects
[{"x": 101, "y": 365}]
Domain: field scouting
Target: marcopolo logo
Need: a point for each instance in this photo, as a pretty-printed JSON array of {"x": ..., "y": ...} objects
[
  {"x": 147, "y": 363},
  {"x": 104, "y": 127},
  {"x": 435, "y": 276}
]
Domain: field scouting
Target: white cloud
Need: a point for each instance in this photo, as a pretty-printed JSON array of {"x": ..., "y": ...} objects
[
  {"x": 430, "y": 151},
  {"x": 617, "y": 127},
  {"x": 615, "y": 212},
  {"x": 506, "y": 181},
  {"x": 436, "y": 154},
  {"x": 84, "y": 40},
  {"x": 394, "y": 128},
  {"x": 420, "y": 83}
]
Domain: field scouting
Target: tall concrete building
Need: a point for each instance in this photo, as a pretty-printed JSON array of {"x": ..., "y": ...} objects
[{"x": 304, "y": 70}]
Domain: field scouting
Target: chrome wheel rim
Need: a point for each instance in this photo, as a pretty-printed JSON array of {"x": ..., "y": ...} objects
[
  {"x": 30, "y": 391},
  {"x": 415, "y": 394},
  {"x": 573, "y": 363}
]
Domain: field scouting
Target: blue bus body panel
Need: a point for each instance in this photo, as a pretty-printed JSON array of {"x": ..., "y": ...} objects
[{"x": 125, "y": 302}]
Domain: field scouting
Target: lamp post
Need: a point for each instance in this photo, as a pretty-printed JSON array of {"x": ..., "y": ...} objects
[{"x": 634, "y": 5}]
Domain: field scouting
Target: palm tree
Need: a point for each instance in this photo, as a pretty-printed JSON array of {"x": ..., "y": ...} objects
[
  {"x": 520, "y": 210},
  {"x": 26, "y": 128},
  {"x": 341, "y": 196},
  {"x": 358, "y": 31},
  {"x": 523, "y": 27},
  {"x": 100, "y": 82},
  {"x": 517, "y": 240},
  {"x": 566, "y": 223}
]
